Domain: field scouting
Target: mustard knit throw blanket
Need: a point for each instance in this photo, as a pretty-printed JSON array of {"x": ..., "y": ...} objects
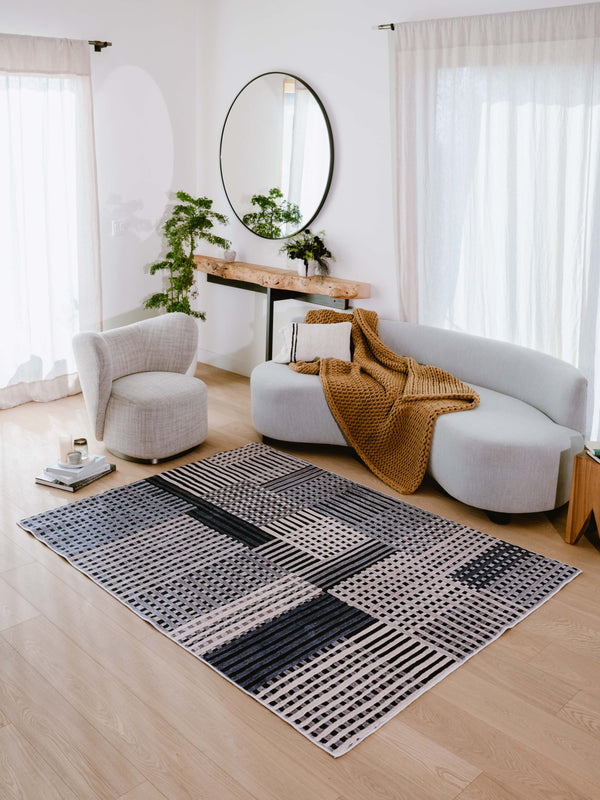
[{"x": 386, "y": 404}]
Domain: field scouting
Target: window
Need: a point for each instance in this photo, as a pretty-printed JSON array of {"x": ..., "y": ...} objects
[
  {"x": 48, "y": 215},
  {"x": 498, "y": 180}
]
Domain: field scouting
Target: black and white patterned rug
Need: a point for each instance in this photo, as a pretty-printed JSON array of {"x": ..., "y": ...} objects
[{"x": 330, "y": 603}]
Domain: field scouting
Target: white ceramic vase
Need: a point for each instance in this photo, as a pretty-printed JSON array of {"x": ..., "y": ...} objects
[{"x": 307, "y": 271}]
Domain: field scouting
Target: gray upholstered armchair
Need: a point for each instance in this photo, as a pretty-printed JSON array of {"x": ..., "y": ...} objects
[{"x": 138, "y": 398}]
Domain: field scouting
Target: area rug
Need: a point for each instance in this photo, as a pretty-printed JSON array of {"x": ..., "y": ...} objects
[{"x": 332, "y": 604}]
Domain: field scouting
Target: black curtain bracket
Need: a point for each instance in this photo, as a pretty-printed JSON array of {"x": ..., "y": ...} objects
[{"x": 98, "y": 46}]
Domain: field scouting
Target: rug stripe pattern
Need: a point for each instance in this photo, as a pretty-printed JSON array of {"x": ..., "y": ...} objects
[{"x": 332, "y": 604}]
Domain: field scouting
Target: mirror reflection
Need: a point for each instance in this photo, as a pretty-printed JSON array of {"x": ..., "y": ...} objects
[{"x": 276, "y": 155}]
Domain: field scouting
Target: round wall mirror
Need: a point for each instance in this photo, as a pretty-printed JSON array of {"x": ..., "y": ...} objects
[{"x": 276, "y": 155}]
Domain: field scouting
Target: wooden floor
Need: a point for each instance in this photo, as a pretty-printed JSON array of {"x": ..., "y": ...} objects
[{"x": 96, "y": 704}]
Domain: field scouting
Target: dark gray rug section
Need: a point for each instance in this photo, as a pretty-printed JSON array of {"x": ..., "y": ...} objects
[{"x": 332, "y": 604}]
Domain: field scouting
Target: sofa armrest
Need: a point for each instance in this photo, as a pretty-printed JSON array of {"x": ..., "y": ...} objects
[{"x": 94, "y": 365}]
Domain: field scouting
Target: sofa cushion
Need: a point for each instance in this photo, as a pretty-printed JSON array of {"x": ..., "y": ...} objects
[
  {"x": 507, "y": 454},
  {"x": 289, "y": 406},
  {"x": 140, "y": 403}
]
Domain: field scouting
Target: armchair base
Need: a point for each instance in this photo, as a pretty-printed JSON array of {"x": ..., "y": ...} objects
[{"x": 149, "y": 460}]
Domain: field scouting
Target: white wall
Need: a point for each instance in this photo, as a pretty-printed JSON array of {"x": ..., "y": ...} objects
[
  {"x": 334, "y": 47},
  {"x": 145, "y": 101}
]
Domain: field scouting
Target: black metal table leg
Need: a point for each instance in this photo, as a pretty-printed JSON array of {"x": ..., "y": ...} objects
[{"x": 269, "y": 344}]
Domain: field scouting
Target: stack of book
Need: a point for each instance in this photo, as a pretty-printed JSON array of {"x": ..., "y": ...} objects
[
  {"x": 593, "y": 450},
  {"x": 72, "y": 478}
]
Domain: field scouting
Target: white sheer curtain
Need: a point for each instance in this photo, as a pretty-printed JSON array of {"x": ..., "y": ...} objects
[
  {"x": 497, "y": 130},
  {"x": 305, "y": 151},
  {"x": 50, "y": 263}
]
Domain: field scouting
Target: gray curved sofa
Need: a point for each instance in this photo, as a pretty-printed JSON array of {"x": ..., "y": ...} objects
[{"x": 512, "y": 454}]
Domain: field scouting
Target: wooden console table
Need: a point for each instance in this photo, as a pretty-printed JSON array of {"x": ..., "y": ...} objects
[
  {"x": 281, "y": 284},
  {"x": 585, "y": 497}
]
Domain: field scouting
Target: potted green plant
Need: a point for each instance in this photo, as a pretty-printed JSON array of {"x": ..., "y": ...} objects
[
  {"x": 273, "y": 212},
  {"x": 191, "y": 220},
  {"x": 309, "y": 248}
]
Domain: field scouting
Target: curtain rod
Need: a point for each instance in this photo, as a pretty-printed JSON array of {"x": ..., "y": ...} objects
[
  {"x": 388, "y": 27},
  {"x": 98, "y": 46}
]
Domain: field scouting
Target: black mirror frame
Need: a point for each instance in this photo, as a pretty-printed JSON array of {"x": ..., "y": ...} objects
[{"x": 331, "y": 150}]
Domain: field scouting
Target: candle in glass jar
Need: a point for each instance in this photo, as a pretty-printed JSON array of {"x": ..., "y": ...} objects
[
  {"x": 81, "y": 446},
  {"x": 65, "y": 446}
]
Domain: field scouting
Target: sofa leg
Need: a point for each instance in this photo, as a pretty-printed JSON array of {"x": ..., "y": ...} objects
[{"x": 499, "y": 517}]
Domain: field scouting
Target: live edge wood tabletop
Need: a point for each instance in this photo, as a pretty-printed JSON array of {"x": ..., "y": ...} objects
[
  {"x": 585, "y": 497},
  {"x": 282, "y": 279}
]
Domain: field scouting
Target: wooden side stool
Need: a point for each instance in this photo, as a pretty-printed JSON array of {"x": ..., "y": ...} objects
[{"x": 585, "y": 497}]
